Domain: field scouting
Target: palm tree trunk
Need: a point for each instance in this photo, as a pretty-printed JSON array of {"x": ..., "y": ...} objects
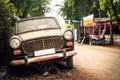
[
  {"x": 111, "y": 34},
  {"x": 111, "y": 42}
]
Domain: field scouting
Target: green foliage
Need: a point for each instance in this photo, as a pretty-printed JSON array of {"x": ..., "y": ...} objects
[
  {"x": 26, "y": 8},
  {"x": 70, "y": 2},
  {"x": 112, "y": 7},
  {"x": 6, "y": 13},
  {"x": 39, "y": 8},
  {"x": 69, "y": 10},
  {"x": 65, "y": 11},
  {"x": 9, "y": 9},
  {"x": 77, "y": 9}
]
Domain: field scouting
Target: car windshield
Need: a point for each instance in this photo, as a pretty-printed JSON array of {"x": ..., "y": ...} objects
[{"x": 36, "y": 24}]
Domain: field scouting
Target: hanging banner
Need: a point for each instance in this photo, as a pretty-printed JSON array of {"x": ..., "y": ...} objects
[{"x": 88, "y": 20}]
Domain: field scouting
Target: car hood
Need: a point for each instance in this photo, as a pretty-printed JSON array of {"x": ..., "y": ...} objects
[{"x": 41, "y": 33}]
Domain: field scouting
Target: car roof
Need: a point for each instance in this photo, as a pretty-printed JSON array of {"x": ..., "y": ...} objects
[{"x": 32, "y": 18}]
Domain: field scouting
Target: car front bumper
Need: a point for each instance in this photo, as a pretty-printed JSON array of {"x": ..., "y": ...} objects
[{"x": 27, "y": 60}]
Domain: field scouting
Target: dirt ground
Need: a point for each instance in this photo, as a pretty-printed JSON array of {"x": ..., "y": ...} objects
[{"x": 57, "y": 72}]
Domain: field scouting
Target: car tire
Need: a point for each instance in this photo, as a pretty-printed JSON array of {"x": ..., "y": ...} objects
[{"x": 69, "y": 62}]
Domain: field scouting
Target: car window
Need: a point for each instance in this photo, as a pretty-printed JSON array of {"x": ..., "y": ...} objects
[{"x": 35, "y": 24}]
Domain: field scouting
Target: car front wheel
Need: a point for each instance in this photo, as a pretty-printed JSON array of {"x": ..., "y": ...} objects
[{"x": 69, "y": 62}]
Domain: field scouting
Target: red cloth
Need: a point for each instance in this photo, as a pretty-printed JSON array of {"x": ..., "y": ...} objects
[{"x": 105, "y": 25}]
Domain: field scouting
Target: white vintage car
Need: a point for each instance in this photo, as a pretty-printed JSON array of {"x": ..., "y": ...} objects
[{"x": 41, "y": 39}]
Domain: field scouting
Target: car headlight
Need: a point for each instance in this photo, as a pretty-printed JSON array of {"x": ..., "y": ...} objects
[
  {"x": 68, "y": 35},
  {"x": 15, "y": 43}
]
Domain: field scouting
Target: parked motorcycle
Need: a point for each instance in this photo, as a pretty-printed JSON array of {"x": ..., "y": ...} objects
[{"x": 100, "y": 40}]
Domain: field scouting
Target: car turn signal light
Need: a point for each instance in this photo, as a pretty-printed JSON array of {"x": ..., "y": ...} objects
[
  {"x": 69, "y": 43},
  {"x": 17, "y": 52}
]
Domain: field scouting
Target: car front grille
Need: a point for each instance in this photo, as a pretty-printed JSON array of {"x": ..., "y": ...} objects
[{"x": 42, "y": 43}]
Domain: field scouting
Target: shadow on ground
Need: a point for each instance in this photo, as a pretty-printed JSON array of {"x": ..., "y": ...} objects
[{"x": 55, "y": 71}]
